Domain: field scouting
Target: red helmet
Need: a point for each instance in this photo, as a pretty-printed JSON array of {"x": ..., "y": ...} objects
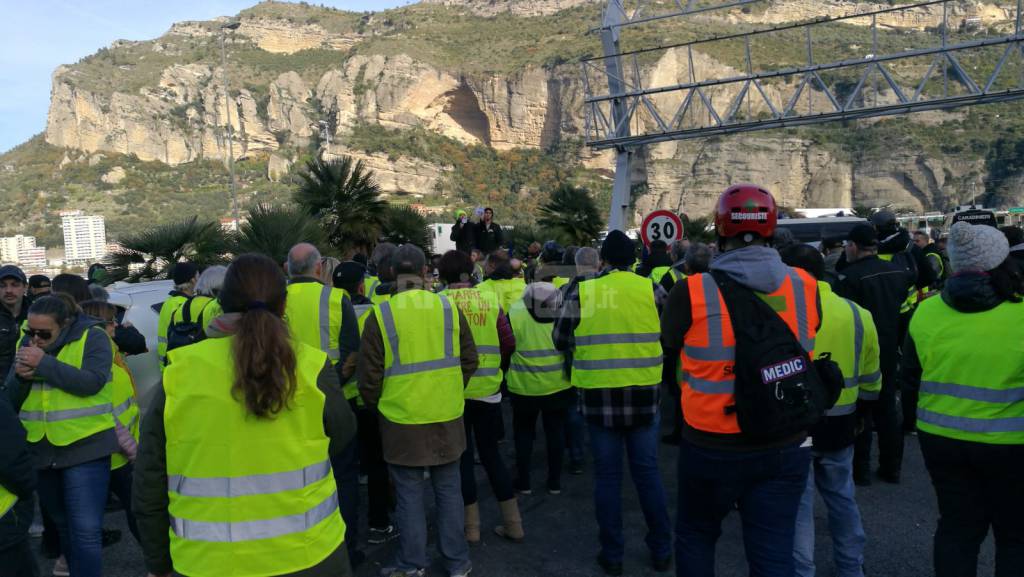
[{"x": 746, "y": 208}]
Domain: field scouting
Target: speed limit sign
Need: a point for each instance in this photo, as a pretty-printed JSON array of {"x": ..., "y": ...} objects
[{"x": 661, "y": 225}]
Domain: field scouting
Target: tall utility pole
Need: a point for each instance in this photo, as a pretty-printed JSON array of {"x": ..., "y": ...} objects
[
  {"x": 614, "y": 15},
  {"x": 227, "y": 113}
]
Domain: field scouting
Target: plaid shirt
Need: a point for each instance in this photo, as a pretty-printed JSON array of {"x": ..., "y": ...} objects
[{"x": 616, "y": 408}]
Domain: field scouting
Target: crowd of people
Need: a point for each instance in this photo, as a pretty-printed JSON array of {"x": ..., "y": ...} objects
[{"x": 283, "y": 383}]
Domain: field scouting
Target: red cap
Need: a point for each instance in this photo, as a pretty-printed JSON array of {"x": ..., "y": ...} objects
[{"x": 746, "y": 208}]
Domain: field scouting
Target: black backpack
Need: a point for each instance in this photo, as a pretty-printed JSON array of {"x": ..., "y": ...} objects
[
  {"x": 779, "y": 391},
  {"x": 187, "y": 331}
]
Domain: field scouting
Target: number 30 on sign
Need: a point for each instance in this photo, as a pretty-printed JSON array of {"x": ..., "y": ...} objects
[{"x": 661, "y": 225}]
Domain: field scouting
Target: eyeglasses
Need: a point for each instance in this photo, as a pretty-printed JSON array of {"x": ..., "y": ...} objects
[{"x": 32, "y": 333}]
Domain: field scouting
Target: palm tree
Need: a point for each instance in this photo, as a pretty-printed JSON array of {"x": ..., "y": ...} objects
[
  {"x": 403, "y": 225},
  {"x": 273, "y": 229},
  {"x": 344, "y": 197},
  {"x": 158, "y": 248},
  {"x": 572, "y": 214},
  {"x": 699, "y": 229}
]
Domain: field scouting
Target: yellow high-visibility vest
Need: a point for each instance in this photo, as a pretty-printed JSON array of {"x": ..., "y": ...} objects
[
  {"x": 248, "y": 497},
  {"x": 422, "y": 358},
  {"x": 61, "y": 417}
]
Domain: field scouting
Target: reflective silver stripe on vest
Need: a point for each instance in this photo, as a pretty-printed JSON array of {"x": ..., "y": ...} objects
[
  {"x": 66, "y": 414},
  {"x": 594, "y": 365},
  {"x": 249, "y": 484},
  {"x": 800, "y": 303},
  {"x": 1014, "y": 395},
  {"x": 1007, "y": 425},
  {"x": 870, "y": 378},
  {"x": 716, "y": 349},
  {"x": 726, "y": 354},
  {"x": 858, "y": 344},
  {"x": 869, "y": 395},
  {"x": 538, "y": 354},
  {"x": 848, "y": 409},
  {"x": 254, "y": 530},
  {"x": 849, "y": 383},
  {"x": 535, "y": 368},
  {"x": 120, "y": 409},
  {"x": 325, "y": 324},
  {"x": 488, "y": 350},
  {"x": 710, "y": 387},
  {"x": 397, "y": 367},
  {"x": 487, "y": 372},
  {"x": 162, "y": 340},
  {"x": 618, "y": 339}
]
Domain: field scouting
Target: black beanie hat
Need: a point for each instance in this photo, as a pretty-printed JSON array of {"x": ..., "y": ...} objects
[{"x": 617, "y": 249}]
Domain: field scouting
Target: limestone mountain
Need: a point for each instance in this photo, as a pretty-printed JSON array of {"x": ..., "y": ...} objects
[{"x": 464, "y": 102}]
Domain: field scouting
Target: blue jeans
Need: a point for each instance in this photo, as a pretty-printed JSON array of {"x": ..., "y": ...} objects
[
  {"x": 411, "y": 517},
  {"x": 76, "y": 497},
  {"x": 766, "y": 485},
  {"x": 641, "y": 444},
  {"x": 832, "y": 473}
]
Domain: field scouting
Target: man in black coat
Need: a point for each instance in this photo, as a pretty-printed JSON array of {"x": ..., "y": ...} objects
[
  {"x": 881, "y": 287},
  {"x": 463, "y": 233},
  {"x": 489, "y": 236},
  {"x": 13, "y": 312}
]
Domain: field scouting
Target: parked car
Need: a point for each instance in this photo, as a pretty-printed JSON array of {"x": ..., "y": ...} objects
[{"x": 142, "y": 302}]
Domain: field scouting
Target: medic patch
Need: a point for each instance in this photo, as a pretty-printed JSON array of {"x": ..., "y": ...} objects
[{"x": 783, "y": 370}]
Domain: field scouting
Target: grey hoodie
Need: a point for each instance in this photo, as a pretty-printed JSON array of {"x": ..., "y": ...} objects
[
  {"x": 85, "y": 381},
  {"x": 758, "y": 268}
]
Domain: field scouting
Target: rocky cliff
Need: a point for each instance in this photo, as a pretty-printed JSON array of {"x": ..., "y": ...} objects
[{"x": 304, "y": 78}]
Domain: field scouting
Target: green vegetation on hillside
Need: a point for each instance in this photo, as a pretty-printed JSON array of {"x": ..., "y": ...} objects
[
  {"x": 36, "y": 189},
  {"x": 515, "y": 182}
]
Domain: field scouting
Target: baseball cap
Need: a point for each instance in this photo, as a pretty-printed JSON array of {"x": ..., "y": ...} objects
[
  {"x": 863, "y": 235},
  {"x": 184, "y": 272},
  {"x": 11, "y": 271},
  {"x": 348, "y": 273},
  {"x": 39, "y": 281}
]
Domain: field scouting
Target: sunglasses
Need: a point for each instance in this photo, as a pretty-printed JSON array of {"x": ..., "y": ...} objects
[{"x": 32, "y": 333}]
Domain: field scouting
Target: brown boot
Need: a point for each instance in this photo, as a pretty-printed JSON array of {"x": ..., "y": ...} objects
[
  {"x": 473, "y": 524},
  {"x": 513, "y": 527}
]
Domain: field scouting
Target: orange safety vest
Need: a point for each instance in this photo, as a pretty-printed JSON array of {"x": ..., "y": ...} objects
[{"x": 709, "y": 346}]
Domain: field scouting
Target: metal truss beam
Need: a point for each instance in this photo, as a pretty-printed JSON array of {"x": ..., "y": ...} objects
[{"x": 882, "y": 85}]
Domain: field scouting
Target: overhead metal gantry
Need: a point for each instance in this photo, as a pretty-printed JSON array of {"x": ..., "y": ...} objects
[{"x": 864, "y": 70}]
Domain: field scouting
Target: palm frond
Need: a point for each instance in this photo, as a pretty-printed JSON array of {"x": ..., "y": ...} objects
[
  {"x": 273, "y": 229},
  {"x": 403, "y": 225},
  {"x": 572, "y": 214},
  {"x": 345, "y": 198}
]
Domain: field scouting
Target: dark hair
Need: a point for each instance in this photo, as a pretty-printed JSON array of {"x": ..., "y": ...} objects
[
  {"x": 264, "y": 360},
  {"x": 1008, "y": 280},
  {"x": 455, "y": 267},
  {"x": 101, "y": 310},
  {"x": 73, "y": 285},
  {"x": 502, "y": 266},
  {"x": 806, "y": 257},
  {"x": 60, "y": 307}
]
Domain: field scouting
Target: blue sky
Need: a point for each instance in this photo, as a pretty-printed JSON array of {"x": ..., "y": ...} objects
[{"x": 36, "y": 36}]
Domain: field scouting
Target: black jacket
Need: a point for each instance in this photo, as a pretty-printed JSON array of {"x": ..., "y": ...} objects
[
  {"x": 464, "y": 236},
  {"x": 909, "y": 256},
  {"x": 17, "y": 475},
  {"x": 10, "y": 335},
  {"x": 488, "y": 239},
  {"x": 881, "y": 287}
]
